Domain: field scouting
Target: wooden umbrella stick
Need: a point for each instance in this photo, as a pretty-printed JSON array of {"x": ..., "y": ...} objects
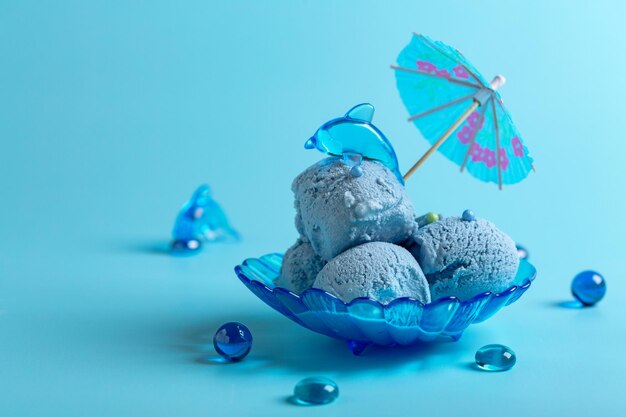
[{"x": 442, "y": 139}]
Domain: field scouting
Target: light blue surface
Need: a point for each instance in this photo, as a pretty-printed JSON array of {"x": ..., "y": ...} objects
[{"x": 110, "y": 114}]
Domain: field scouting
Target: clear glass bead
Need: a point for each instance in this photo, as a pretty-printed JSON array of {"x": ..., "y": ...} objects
[
  {"x": 495, "y": 358},
  {"x": 315, "y": 391}
]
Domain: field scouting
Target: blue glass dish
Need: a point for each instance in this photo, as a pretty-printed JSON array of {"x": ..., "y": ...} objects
[{"x": 363, "y": 321}]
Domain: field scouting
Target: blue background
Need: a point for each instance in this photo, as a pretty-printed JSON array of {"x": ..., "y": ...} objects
[{"x": 112, "y": 112}]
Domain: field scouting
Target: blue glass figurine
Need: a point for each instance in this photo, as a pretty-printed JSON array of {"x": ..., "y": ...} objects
[
  {"x": 201, "y": 219},
  {"x": 353, "y": 137}
]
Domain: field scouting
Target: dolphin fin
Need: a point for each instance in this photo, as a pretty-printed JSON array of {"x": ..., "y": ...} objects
[{"x": 362, "y": 112}]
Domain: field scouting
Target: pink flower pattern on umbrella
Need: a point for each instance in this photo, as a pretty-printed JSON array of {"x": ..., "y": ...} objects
[
  {"x": 518, "y": 148},
  {"x": 489, "y": 158},
  {"x": 465, "y": 135},
  {"x": 474, "y": 122},
  {"x": 431, "y": 68},
  {"x": 476, "y": 152},
  {"x": 460, "y": 72},
  {"x": 426, "y": 66},
  {"x": 504, "y": 159}
]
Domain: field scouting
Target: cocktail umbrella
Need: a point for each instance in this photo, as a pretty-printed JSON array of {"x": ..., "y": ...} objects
[{"x": 460, "y": 113}]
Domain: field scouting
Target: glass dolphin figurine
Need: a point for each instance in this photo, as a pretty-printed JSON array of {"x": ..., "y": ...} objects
[
  {"x": 354, "y": 137},
  {"x": 200, "y": 220}
]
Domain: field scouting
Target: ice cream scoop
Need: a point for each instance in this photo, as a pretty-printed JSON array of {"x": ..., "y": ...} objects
[
  {"x": 300, "y": 267},
  {"x": 336, "y": 210},
  {"x": 464, "y": 258},
  {"x": 378, "y": 270}
]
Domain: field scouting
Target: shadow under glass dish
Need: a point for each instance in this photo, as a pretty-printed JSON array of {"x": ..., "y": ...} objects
[{"x": 362, "y": 322}]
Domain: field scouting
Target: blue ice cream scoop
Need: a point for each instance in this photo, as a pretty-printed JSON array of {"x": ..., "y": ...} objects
[
  {"x": 336, "y": 210},
  {"x": 354, "y": 138},
  {"x": 464, "y": 258},
  {"x": 299, "y": 268},
  {"x": 377, "y": 270}
]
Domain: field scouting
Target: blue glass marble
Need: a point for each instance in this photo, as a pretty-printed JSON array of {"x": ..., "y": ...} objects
[
  {"x": 201, "y": 219},
  {"x": 588, "y": 287},
  {"x": 522, "y": 251},
  {"x": 355, "y": 134},
  {"x": 315, "y": 391},
  {"x": 233, "y": 341},
  {"x": 495, "y": 358},
  {"x": 468, "y": 216}
]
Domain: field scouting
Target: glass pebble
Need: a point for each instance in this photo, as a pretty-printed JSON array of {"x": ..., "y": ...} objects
[
  {"x": 588, "y": 287},
  {"x": 233, "y": 341},
  {"x": 522, "y": 251},
  {"x": 431, "y": 217},
  {"x": 316, "y": 391},
  {"x": 468, "y": 216},
  {"x": 495, "y": 358}
]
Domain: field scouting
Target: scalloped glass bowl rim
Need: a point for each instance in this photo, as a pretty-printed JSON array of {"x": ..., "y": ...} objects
[
  {"x": 404, "y": 320},
  {"x": 525, "y": 283}
]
